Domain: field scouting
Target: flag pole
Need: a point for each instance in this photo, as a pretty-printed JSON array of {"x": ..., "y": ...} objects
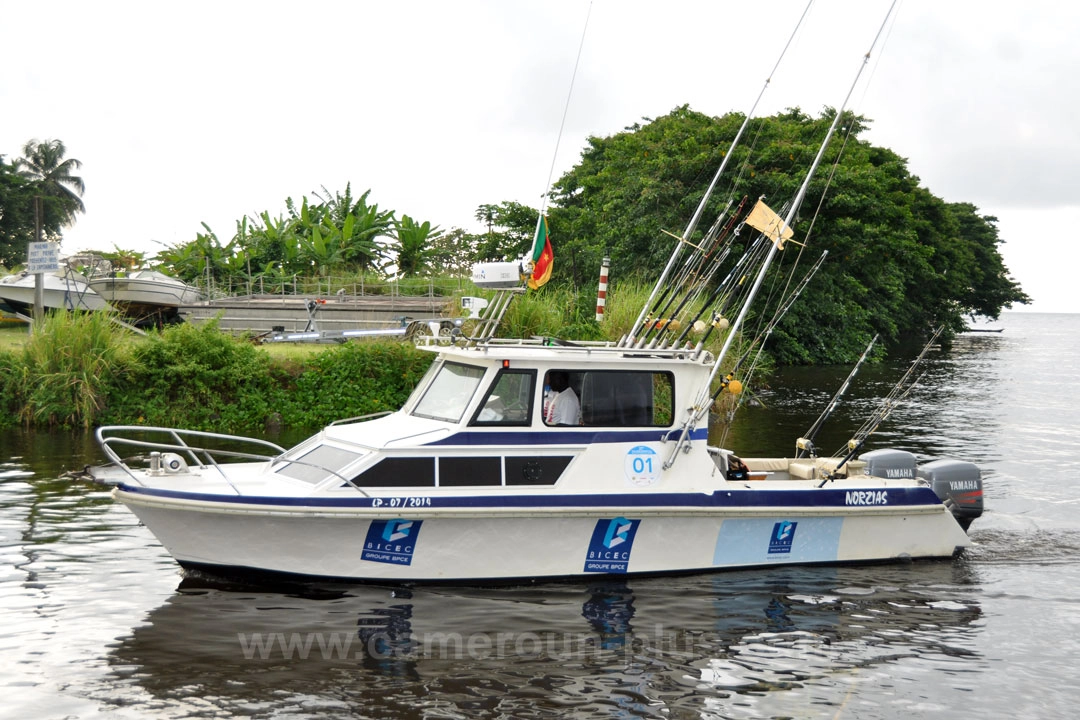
[{"x": 558, "y": 139}]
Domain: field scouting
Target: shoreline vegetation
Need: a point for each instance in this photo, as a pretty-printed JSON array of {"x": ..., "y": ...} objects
[
  {"x": 80, "y": 370},
  {"x": 902, "y": 261}
]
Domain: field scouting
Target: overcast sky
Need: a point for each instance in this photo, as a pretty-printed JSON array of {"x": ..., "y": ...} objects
[{"x": 184, "y": 113}]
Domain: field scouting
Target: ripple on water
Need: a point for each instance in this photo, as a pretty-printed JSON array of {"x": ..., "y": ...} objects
[{"x": 99, "y": 622}]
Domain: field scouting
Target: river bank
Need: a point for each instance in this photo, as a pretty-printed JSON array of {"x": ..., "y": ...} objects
[{"x": 79, "y": 371}]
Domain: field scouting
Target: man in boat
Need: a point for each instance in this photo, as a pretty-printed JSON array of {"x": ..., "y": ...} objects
[{"x": 565, "y": 408}]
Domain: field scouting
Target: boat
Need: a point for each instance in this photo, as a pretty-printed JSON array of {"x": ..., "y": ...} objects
[
  {"x": 63, "y": 290},
  {"x": 468, "y": 482},
  {"x": 518, "y": 460},
  {"x": 145, "y": 295}
]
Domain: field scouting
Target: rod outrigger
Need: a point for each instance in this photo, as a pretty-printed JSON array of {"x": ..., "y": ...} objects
[
  {"x": 701, "y": 407},
  {"x": 632, "y": 338}
]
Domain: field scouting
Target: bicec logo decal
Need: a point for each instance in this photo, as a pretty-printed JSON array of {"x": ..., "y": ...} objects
[
  {"x": 617, "y": 532},
  {"x": 396, "y": 530},
  {"x": 783, "y": 535},
  {"x": 391, "y": 541},
  {"x": 610, "y": 546}
]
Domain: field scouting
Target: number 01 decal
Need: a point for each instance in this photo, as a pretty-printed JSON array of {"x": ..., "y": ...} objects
[{"x": 642, "y": 466}]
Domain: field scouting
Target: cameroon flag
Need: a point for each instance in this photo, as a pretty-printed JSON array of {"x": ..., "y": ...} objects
[{"x": 543, "y": 257}]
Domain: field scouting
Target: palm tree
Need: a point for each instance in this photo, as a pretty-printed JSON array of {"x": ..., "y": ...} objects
[{"x": 57, "y": 192}]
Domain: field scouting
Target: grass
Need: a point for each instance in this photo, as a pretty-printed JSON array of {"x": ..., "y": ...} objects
[{"x": 13, "y": 336}]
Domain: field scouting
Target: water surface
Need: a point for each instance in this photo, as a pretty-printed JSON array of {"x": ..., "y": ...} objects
[{"x": 100, "y": 622}]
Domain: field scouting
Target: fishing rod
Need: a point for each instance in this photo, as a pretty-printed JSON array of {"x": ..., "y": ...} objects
[
  {"x": 725, "y": 290},
  {"x": 899, "y": 391},
  {"x": 693, "y": 264},
  {"x": 805, "y": 445},
  {"x": 692, "y": 225},
  {"x": 723, "y": 240},
  {"x": 783, "y": 308},
  {"x": 689, "y": 275},
  {"x": 719, "y": 300},
  {"x": 701, "y": 406},
  {"x": 759, "y": 341}
]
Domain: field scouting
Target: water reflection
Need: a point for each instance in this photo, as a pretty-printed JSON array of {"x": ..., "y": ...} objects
[
  {"x": 609, "y": 610},
  {"x": 632, "y": 646}
]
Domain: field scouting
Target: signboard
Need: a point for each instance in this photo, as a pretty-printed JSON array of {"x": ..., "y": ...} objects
[{"x": 43, "y": 257}]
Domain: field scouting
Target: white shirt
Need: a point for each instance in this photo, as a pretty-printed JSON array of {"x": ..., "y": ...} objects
[{"x": 565, "y": 408}]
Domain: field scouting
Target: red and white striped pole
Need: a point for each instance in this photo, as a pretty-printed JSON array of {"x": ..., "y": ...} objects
[{"x": 601, "y": 293}]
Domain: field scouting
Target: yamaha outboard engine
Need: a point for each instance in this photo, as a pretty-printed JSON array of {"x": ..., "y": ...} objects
[
  {"x": 959, "y": 485},
  {"x": 888, "y": 463}
]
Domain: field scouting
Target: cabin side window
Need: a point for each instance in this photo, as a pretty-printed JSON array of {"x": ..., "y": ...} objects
[
  {"x": 315, "y": 464},
  {"x": 510, "y": 399},
  {"x": 610, "y": 398}
]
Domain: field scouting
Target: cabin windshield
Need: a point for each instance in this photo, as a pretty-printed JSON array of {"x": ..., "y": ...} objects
[{"x": 450, "y": 392}]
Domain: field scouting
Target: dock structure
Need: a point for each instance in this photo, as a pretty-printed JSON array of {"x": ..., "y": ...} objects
[{"x": 294, "y": 313}]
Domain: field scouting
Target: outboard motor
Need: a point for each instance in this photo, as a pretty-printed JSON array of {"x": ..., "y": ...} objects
[
  {"x": 959, "y": 485},
  {"x": 889, "y": 464}
]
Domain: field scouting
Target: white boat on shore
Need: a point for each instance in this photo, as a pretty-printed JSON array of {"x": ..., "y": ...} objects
[
  {"x": 63, "y": 290},
  {"x": 483, "y": 476},
  {"x": 145, "y": 294}
]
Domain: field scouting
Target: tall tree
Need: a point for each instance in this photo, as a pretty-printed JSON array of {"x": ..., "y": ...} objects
[
  {"x": 511, "y": 228},
  {"x": 16, "y": 215},
  {"x": 51, "y": 176},
  {"x": 454, "y": 252},
  {"x": 359, "y": 226},
  {"x": 901, "y": 259}
]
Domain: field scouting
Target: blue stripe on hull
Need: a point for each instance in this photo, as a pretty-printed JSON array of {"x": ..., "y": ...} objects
[
  {"x": 559, "y": 437},
  {"x": 809, "y": 498}
]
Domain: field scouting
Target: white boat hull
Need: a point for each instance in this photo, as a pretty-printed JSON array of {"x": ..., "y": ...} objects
[
  {"x": 145, "y": 293},
  {"x": 478, "y": 542},
  {"x": 60, "y": 293}
]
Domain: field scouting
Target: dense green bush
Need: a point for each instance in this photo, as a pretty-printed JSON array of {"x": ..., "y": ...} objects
[
  {"x": 351, "y": 380},
  {"x": 198, "y": 377},
  {"x": 12, "y": 382},
  {"x": 82, "y": 371}
]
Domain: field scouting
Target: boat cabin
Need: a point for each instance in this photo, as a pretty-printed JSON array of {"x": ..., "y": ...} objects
[{"x": 484, "y": 417}]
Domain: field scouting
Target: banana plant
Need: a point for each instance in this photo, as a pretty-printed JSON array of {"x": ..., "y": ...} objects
[
  {"x": 414, "y": 244},
  {"x": 323, "y": 248}
]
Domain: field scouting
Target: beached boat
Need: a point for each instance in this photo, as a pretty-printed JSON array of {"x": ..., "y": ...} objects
[
  {"x": 526, "y": 459},
  {"x": 145, "y": 294},
  {"x": 63, "y": 290}
]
